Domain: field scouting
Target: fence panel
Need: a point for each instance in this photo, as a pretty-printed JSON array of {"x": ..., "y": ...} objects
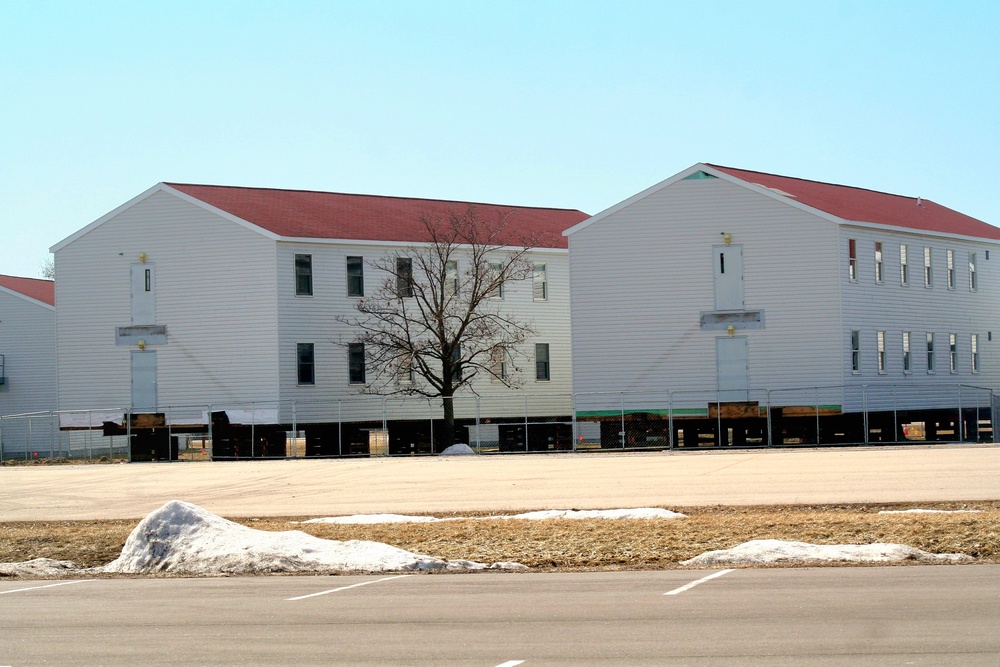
[{"x": 510, "y": 423}]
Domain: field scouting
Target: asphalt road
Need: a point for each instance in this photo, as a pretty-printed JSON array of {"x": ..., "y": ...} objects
[
  {"x": 946, "y": 615},
  {"x": 499, "y": 483}
]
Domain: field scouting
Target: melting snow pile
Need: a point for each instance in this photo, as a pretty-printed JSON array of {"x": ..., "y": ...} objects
[
  {"x": 39, "y": 567},
  {"x": 762, "y": 552},
  {"x": 636, "y": 513},
  {"x": 457, "y": 450},
  {"x": 184, "y": 538}
]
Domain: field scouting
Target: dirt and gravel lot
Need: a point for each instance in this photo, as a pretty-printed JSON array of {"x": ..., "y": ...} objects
[
  {"x": 574, "y": 544},
  {"x": 824, "y": 496}
]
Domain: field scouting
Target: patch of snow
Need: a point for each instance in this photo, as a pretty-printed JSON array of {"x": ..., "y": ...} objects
[
  {"x": 922, "y": 511},
  {"x": 38, "y": 567},
  {"x": 458, "y": 449},
  {"x": 184, "y": 538},
  {"x": 507, "y": 565},
  {"x": 762, "y": 552},
  {"x": 635, "y": 513},
  {"x": 374, "y": 518}
]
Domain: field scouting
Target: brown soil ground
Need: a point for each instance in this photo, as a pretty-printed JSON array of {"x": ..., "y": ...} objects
[{"x": 595, "y": 544}]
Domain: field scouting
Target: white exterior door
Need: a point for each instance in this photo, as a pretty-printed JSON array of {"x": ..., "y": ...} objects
[
  {"x": 143, "y": 380},
  {"x": 732, "y": 368},
  {"x": 728, "y": 262},
  {"x": 143, "y": 294}
]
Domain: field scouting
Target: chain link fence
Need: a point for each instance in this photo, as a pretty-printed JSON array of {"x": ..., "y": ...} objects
[{"x": 507, "y": 424}]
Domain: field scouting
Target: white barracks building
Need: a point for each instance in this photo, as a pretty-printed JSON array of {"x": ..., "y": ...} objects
[{"x": 734, "y": 305}]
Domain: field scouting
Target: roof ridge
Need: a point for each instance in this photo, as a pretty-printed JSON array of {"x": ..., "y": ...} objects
[
  {"x": 355, "y": 194},
  {"x": 812, "y": 180},
  {"x": 41, "y": 280}
]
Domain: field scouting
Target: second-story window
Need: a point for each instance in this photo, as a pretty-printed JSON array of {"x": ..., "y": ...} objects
[
  {"x": 928, "y": 273},
  {"x": 303, "y": 275},
  {"x": 973, "y": 282},
  {"x": 355, "y": 276},
  {"x": 879, "y": 277},
  {"x": 404, "y": 276},
  {"x": 975, "y": 352},
  {"x": 852, "y": 260},
  {"x": 950, "y": 257},
  {"x": 495, "y": 276},
  {"x": 451, "y": 277},
  {"x": 540, "y": 283},
  {"x": 904, "y": 269}
]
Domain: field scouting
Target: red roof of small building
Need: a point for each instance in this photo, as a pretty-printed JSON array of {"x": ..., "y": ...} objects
[
  {"x": 34, "y": 288},
  {"x": 860, "y": 205},
  {"x": 332, "y": 215}
]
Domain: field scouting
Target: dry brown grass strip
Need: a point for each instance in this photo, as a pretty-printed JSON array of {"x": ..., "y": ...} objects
[{"x": 565, "y": 544}]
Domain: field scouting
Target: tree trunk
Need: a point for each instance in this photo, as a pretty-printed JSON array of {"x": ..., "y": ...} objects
[{"x": 448, "y": 434}]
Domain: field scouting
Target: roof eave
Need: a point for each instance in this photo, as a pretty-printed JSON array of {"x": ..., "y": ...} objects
[
  {"x": 20, "y": 295},
  {"x": 159, "y": 187}
]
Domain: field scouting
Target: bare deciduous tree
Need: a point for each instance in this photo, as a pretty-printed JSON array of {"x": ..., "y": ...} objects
[{"x": 436, "y": 321}]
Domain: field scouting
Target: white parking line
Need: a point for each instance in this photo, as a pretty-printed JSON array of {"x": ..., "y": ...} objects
[
  {"x": 35, "y": 588},
  {"x": 344, "y": 588},
  {"x": 510, "y": 663},
  {"x": 695, "y": 583}
]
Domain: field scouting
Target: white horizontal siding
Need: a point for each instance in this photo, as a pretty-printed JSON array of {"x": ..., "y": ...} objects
[
  {"x": 642, "y": 276},
  {"x": 312, "y": 319},
  {"x": 870, "y": 307},
  {"x": 28, "y": 346},
  {"x": 215, "y": 293}
]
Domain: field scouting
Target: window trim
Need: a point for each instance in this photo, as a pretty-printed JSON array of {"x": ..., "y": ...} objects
[
  {"x": 300, "y": 365},
  {"x": 451, "y": 277},
  {"x": 856, "y": 352},
  {"x": 404, "y": 277},
  {"x": 540, "y": 269},
  {"x": 907, "y": 358},
  {"x": 359, "y": 276},
  {"x": 880, "y": 349},
  {"x": 950, "y": 261},
  {"x": 546, "y": 375},
  {"x": 974, "y": 346},
  {"x": 928, "y": 267},
  {"x": 498, "y": 362},
  {"x": 353, "y": 349},
  {"x": 953, "y": 353},
  {"x": 931, "y": 358},
  {"x": 495, "y": 269},
  {"x": 852, "y": 260},
  {"x": 904, "y": 266},
  {"x": 303, "y": 272}
]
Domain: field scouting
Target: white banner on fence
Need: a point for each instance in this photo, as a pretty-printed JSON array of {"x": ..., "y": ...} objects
[
  {"x": 92, "y": 419},
  {"x": 246, "y": 416}
]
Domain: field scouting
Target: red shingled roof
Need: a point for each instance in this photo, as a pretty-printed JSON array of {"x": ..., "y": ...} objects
[
  {"x": 35, "y": 288},
  {"x": 332, "y": 215},
  {"x": 860, "y": 205}
]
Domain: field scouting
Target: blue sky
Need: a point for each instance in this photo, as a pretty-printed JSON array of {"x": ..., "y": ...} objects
[{"x": 567, "y": 104}]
